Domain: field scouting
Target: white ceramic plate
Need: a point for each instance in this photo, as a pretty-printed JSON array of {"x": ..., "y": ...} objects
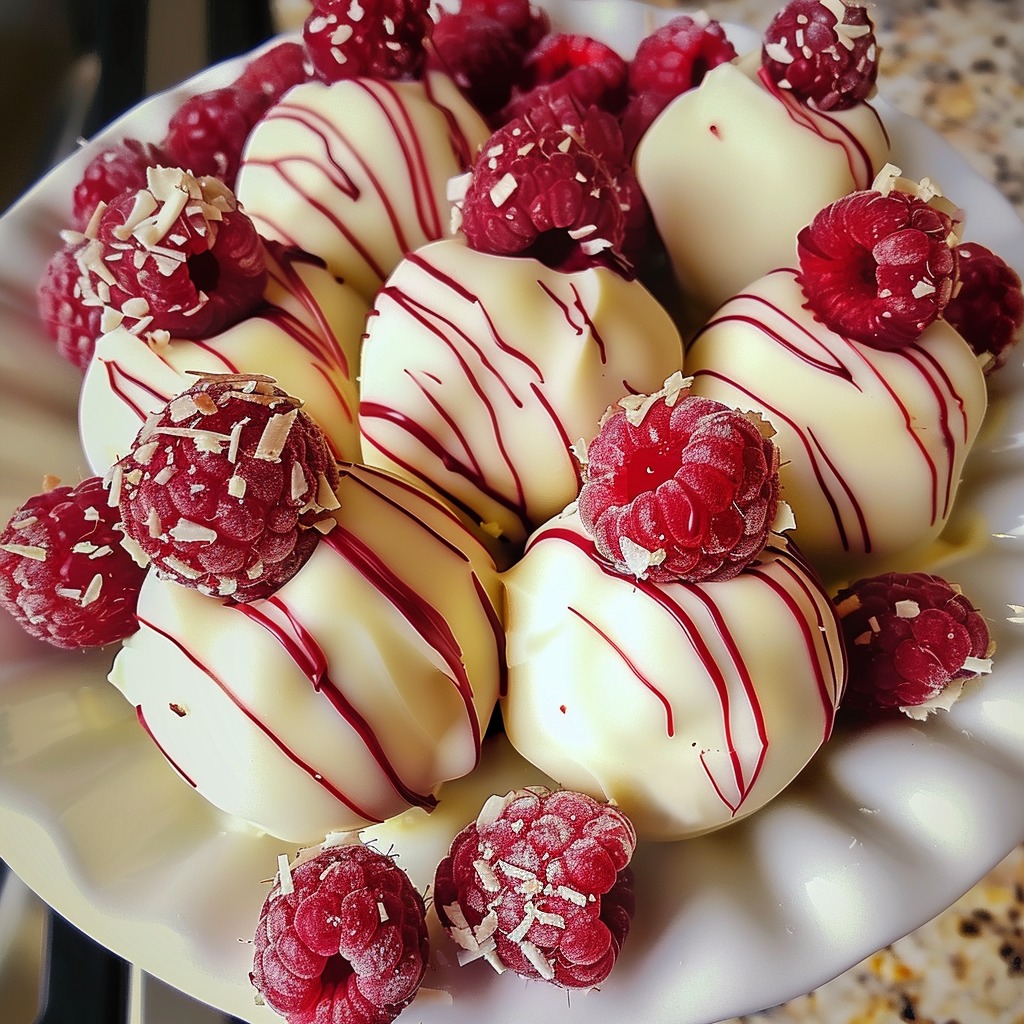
[{"x": 884, "y": 830}]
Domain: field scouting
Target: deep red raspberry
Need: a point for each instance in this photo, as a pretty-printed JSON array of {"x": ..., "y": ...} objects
[
  {"x": 224, "y": 487},
  {"x": 878, "y": 268},
  {"x": 539, "y": 189},
  {"x": 187, "y": 258},
  {"x": 275, "y": 71},
  {"x": 109, "y": 173},
  {"x": 564, "y": 64},
  {"x": 342, "y": 939},
  {"x": 680, "y": 487},
  {"x": 64, "y": 574},
  {"x": 72, "y": 319},
  {"x": 207, "y": 133},
  {"x": 820, "y": 57},
  {"x": 988, "y": 308},
  {"x": 382, "y": 39},
  {"x": 540, "y": 884},
  {"x": 908, "y": 636},
  {"x": 528, "y": 23}
]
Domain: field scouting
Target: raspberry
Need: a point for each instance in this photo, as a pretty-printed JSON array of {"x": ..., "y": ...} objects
[
  {"x": 908, "y": 637},
  {"x": 112, "y": 171},
  {"x": 680, "y": 487},
  {"x": 178, "y": 256},
  {"x": 878, "y": 268},
  {"x": 988, "y": 309},
  {"x": 527, "y": 23},
  {"x": 70, "y": 318},
  {"x": 64, "y": 574},
  {"x": 576, "y": 66},
  {"x": 275, "y": 71},
  {"x": 820, "y": 59},
  {"x": 382, "y": 39},
  {"x": 342, "y": 937},
  {"x": 540, "y": 884},
  {"x": 540, "y": 189},
  {"x": 223, "y": 487}
]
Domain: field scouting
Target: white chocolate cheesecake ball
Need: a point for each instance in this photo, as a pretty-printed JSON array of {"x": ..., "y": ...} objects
[
  {"x": 733, "y": 171},
  {"x": 481, "y": 372},
  {"x": 306, "y": 336},
  {"x": 350, "y": 694},
  {"x": 357, "y": 171},
  {"x": 873, "y": 442},
  {"x": 689, "y": 705}
]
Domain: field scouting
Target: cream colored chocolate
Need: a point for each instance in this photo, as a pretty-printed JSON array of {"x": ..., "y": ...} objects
[
  {"x": 732, "y": 172},
  {"x": 480, "y": 372},
  {"x": 690, "y": 705},
  {"x": 307, "y": 337},
  {"x": 872, "y": 442},
  {"x": 357, "y": 171},
  {"x": 348, "y": 696}
]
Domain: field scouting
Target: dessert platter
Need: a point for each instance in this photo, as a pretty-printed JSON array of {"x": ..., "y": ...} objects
[{"x": 842, "y": 835}]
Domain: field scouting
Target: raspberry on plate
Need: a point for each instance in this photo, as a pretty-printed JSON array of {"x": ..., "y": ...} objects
[
  {"x": 819, "y": 57},
  {"x": 109, "y": 173},
  {"x": 73, "y": 319},
  {"x": 275, "y": 71},
  {"x": 223, "y": 489},
  {"x": 342, "y": 937},
  {"x": 988, "y": 307},
  {"x": 540, "y": 884},
  {"x": 879, "y": 266},
  {"x": 911, "y": 638},
  {"x": 527, "y": 22},
  {"x": 64, "y": 574},
  {"x": 680, "y": 487}
]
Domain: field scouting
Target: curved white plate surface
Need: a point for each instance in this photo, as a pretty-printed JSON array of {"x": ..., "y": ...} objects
[{"x": 884, "y": 830}]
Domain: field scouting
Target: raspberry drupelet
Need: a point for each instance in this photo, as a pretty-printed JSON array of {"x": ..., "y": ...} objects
[
  {"x": 540, "y": 884},
  {"x": 342, "y": 937},
  {"x": 64, "y": 574},
  {"x": 224, "y": 488}
]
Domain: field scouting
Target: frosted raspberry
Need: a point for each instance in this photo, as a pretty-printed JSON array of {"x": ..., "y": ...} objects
[
  {"x": 69, "y": 317},
  {"x": 178, "y": 256},
  {"x": 223, "y": 488},
  {"x": 207, "y": 133},
  {"x": 539, "y": 188},
  {"x": 109, "y": 173},
  {"x": 988, "y": 309},
  {"x": 64, "y": 574},
  {"x": 563, "y": 64},
  {"x": 680, "y": 487},
  {"x": 908, "y": 637},
  {"x": 540, "y": 884},
  {"x": 382, "y": 39},
  {"x": 829, "y": 62},
  {"x": 342, "y": 939},
  {"x": 527, "y": 22},
  {"x": 878, "y": 268},
  {"x": 275, "y": 71}
]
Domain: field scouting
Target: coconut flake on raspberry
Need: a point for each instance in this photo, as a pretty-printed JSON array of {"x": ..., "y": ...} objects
[
  {"x": 540, "y": 884},
  {"x": 681, "y": 488}
]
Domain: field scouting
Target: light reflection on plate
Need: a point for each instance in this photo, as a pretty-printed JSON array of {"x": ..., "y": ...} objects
[{"x": 885, "y": 829}]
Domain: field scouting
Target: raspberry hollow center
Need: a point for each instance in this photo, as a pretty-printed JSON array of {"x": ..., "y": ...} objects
[
  {"x": 648, "y": 468},
  {"x": 203, "y": 271}
]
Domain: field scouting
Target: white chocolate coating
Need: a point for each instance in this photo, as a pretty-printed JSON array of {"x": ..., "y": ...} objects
[
  {"x": 349, "y": 695},
  {"x": 732, "y": 172},
  {"x": 690, "y": 705},
  {"x": 872, "y": 442},
  {"x": 357, "y": 171},
  {"x": 479, "y": 372},
  {"x": 307, "y": 337}
]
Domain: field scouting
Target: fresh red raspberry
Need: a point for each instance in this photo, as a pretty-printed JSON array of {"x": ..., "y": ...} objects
[
  {"x": 382, "y": 39},
  {"x": 539, "y": 189},
  {"x": 64, "y": 574},
  {"x": 908, "y": 636},
  {"x": 528, "y": 23},
  {"x": 564, "y": 64},
  {"x": 178, "y": 256},
  {"x": 988, "y": 308},
  {"x": 680, "y": 487},
  {"x": 275, "y": 71},
  {"x": 224, "y": 487},
  {"x": 72, "y": 319},
  {"x": 540, "y": 884},
  {"x": 878, "y": 268},
  {"x": 109, "y": 173},
  {"x": 821, "y": 59},
  {"x": 342, "y": 939},
  {"x": 207, "y": 133}
]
